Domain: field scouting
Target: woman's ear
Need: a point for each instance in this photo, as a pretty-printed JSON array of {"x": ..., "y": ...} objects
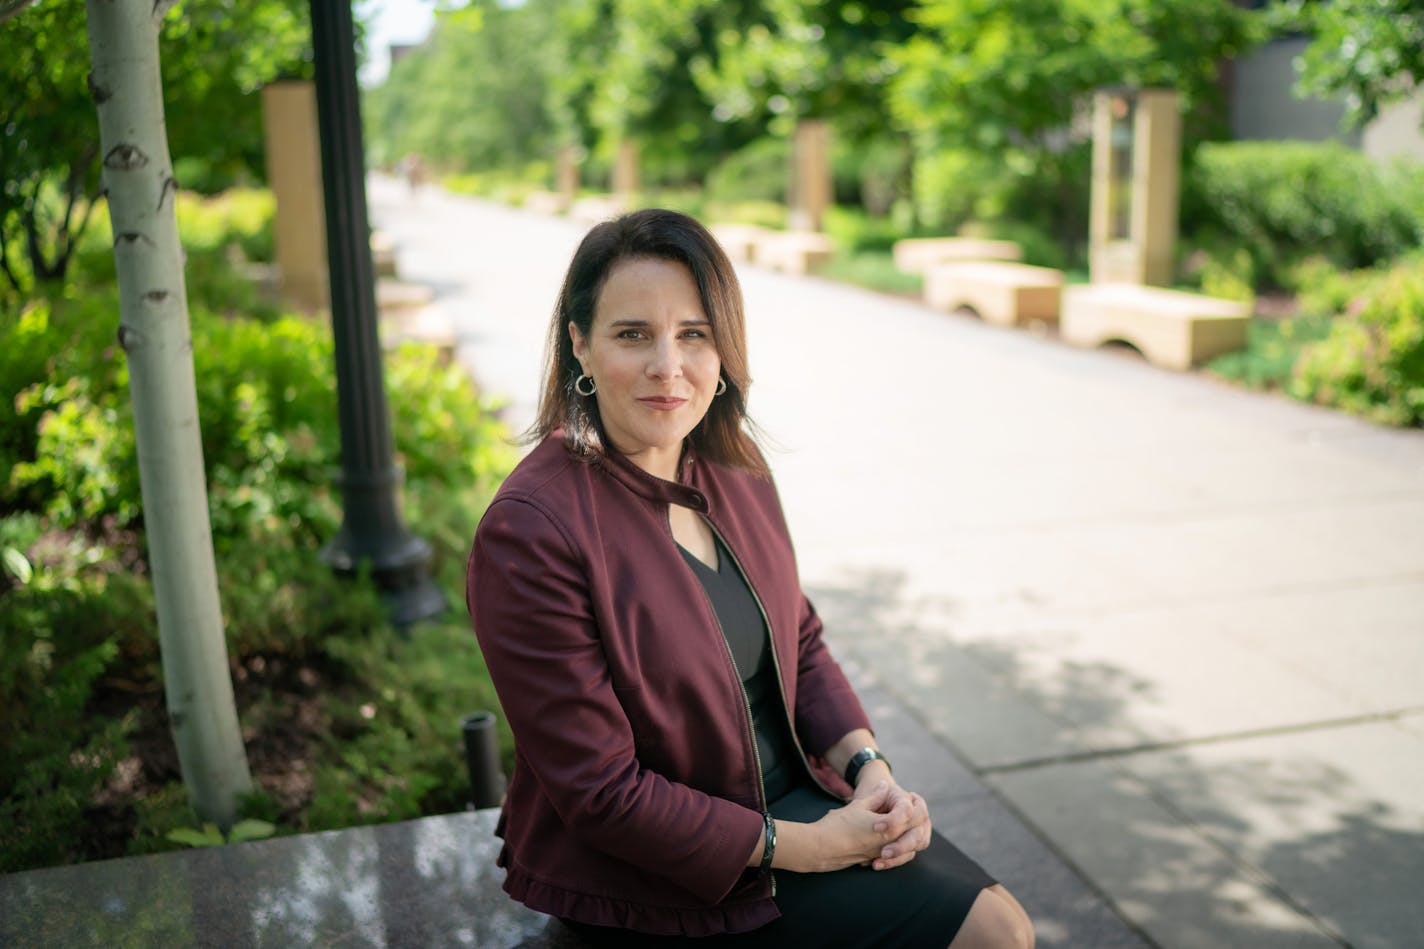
[{"x": 580, "y": 343}]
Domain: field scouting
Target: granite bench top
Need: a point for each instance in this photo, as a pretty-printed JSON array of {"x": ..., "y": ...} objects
[{"x": 425, "y": 882}]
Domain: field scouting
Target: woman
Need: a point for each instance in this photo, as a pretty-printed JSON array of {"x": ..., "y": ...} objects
[{"x": 690, "y": 760}]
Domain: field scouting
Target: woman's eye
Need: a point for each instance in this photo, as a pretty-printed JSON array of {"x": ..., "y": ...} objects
[{"x": 631, "y": 334}]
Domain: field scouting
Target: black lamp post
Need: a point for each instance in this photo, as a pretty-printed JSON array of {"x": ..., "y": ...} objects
[{"x": 372, "y": 530}]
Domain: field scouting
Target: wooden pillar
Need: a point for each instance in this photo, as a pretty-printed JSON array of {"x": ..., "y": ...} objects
[
  {"x": 567, "y": 176},
  {"x": 1136, "y": 181},
  {"x": 625, "y": 172},
  {"x": 810, "y": 190},
  {"x": 294, "y": 175}
]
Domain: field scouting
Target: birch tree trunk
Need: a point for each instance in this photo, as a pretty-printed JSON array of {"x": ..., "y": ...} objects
[{"x": 155, "y": 335}]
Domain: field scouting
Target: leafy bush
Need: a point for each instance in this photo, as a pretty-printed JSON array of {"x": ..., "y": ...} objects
[
  {"x": 1220, "y": 270},
  {"x": 77, "y": 643},
  {"x": 1272, "y": 348},
  {"x": 854, "y": 230},
  {"x": 1285, "y": 201},
  {"x": 756, "y": 172},
  {"x": 66, "y": 439},
  {"x": 873, "y": 174},
  {"x": 954, "y": 186},
  {"x": 874, "y": 269},
  {"x": 509, "y": 185},
  {"x": 1372, "y": 361}
]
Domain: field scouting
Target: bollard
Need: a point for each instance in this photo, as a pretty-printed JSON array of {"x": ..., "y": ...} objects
[{"x": 482, "y": 759}]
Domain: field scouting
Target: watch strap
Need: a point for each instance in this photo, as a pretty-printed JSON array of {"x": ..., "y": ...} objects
[{"x": 859, "y": 760}]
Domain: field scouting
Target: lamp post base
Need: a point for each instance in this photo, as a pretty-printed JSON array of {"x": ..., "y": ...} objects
[{"x": 400, "y": 572}]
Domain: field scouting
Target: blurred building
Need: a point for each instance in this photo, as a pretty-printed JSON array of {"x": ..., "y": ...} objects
[{"x": 1263, "y": 106}]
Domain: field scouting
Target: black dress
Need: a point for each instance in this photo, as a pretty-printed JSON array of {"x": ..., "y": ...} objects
[{"x": 920, "y": 904}]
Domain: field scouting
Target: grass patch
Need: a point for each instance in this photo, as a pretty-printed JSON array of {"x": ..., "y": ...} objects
[
  {"x": 874, "y": 269},
  {"x": 1272, "y": 348}
]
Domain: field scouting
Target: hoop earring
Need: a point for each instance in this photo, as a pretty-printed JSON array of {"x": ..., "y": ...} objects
[
  {"x": 579, "y": 385},
  {"x": 721, "y": 386}
]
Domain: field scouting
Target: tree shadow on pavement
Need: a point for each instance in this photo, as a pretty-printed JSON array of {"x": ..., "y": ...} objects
[{"x": 1253, "y": 841}]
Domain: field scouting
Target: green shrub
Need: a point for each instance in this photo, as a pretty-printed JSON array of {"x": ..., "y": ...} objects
[
  {"x": 1222, "y": 271},
  {"x": 768, "y": 214},
  {"x": 1285, "y": 201},
  {"x": 1272, "y": 348},
  {"x": 509, "y": 185},
  {"x": 63, "y": 428},
  {"x": 756, "y": 172},
  {"x": 954, "y": 186},
  {"x": 873, "y": 269},
  {"x": 72, "y": 625},
  {"x": 398, "y": 751},
  {"x": 77, "y": 626},
  {"x": 871, "y": 175},
  {"x": 855, "y": 231},
  {"x": 1372, "y": 361}
]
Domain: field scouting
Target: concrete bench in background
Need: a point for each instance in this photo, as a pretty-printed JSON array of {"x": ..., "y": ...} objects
[
  {"x": 739, "y": 240},
  {"x": 1172, "y": 329},
  {"x": 1005, "y": 294},
  {"x": 793, "y": 252},
  {"x": 597, "y": 209},
  {"x": 383, "y": 254},
  {"x": 545, "y": 202},
  {"x": 918, "y": 254}
]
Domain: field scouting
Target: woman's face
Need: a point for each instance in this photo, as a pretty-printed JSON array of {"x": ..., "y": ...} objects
[{"x": 651, "y": 353}]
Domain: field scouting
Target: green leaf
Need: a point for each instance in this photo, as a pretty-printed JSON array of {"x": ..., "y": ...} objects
[
  {"x": 209, "y": 836},
  {"x": 17, "y": 565},
  {"x": 251, "y": 829}
]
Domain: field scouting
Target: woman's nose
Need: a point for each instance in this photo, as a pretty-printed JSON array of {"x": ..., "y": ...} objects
[{"x": 666, "y": 362}]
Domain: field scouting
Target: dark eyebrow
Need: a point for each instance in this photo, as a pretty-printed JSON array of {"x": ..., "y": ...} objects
[{"x": 645, "y": 323}]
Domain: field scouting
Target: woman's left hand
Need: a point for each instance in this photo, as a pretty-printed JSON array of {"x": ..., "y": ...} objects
[{"x": 901, "y": 808}]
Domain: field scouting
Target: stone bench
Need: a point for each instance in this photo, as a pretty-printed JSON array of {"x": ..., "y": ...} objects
[
  {"x": 545, "y": 202},
  {"x": 1172, "y": 329},
  {"x": 1005, "y": 294},
  {"x": 793, "y": 252},
  {"x": 739, "y": 240},
  {"x": 597, "y": 209},
  {"x": 425, "y": 882},
  {"x": 405, "y": 315},
  {"x": 432, "y": 881},
  {"x": 383, "y": 254},
  {"x": 918, "y": 254}
]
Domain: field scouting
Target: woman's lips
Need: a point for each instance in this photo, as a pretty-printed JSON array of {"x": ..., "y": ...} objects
[{"x": 663, "y": 403}]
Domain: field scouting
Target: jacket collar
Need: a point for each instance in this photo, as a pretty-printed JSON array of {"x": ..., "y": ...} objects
[{"x": 653, "y": 488}]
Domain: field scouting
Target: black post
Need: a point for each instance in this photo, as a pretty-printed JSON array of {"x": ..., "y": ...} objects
[
  {"x": 482, "y": 759},
  {"x": 372, "y": 530}
]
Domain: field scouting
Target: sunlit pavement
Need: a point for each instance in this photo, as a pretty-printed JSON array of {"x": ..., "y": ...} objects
[{"x": 1175, "y": 629}]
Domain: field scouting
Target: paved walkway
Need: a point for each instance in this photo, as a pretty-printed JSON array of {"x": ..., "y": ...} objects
[{"x": 1174, "y": 629}]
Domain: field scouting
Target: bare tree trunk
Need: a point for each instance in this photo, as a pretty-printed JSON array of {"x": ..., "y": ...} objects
[{"x": 154, "y": 333}]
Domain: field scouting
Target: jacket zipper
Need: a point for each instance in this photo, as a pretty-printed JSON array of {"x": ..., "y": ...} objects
[
  {"x": 775, "y": 663},
  {"x": 746, "y": 699}
]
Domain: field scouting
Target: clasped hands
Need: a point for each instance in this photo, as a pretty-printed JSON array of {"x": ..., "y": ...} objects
[{"x": 883, "y": 826}]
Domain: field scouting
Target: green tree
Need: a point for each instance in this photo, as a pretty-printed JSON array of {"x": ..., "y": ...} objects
[
  {"x": 155, "y": 336},
  {"x": 1001, "y": 86},
  {"x": 474, "y": 96},
  {"x": 784, "y": 59},
  {"x": 1369, "y": 51},
  {"x": 217, "y": 55},
  {"x": 624, "y": 74}
]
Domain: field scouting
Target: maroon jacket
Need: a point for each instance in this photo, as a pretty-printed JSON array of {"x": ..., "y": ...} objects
[{"x": 636, "y": 798}]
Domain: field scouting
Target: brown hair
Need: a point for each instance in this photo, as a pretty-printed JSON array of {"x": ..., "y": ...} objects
[{"x": 664, "y": 235}]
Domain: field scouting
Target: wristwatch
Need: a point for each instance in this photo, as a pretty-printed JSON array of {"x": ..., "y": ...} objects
[{"x": 859, "y": 760}]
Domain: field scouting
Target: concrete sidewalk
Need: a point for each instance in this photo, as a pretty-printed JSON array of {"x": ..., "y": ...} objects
[{"x": 1176, "y": 629}]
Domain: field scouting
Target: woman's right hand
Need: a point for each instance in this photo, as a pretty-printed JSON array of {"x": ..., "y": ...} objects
[{"x": 847, "y": 837}]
